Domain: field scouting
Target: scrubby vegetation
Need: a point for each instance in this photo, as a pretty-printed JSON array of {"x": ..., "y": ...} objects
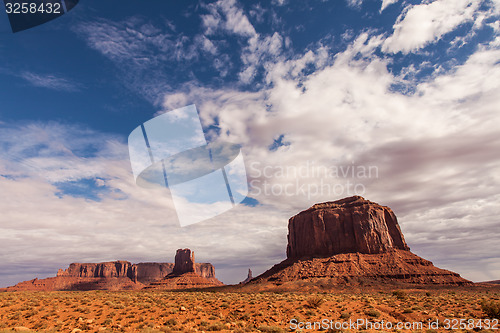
[{"x": 149, "y": 311}]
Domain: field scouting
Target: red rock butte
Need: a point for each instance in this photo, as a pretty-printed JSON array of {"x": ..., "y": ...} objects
[
  {"x": 350, "y": 225},
  {"x": 350, "y": 241},
  {"x": 123, "y": 275},
  {"x": 184, "y": 275}
]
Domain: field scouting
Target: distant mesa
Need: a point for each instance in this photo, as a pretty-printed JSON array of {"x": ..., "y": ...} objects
[
  {"x": 352, "y": 241},
  {"x": 122, "y": 275},
  {"x": 491, "y": 282}
]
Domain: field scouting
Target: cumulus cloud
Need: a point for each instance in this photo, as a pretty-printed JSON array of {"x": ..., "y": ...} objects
[
  {"x": 422, "y": 24},
  {"x": 433, "y": 150}
]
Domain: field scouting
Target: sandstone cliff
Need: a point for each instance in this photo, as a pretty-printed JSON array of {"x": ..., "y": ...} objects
[
  {"x": 102, "y": 270},
  {"x": 184, "y": 275},
  {"x": 184, "y": 262},
  {"x": 144, "y": 273},
  {"x": 119, "y": 275},
  {"x": 344, "y": 226},
  {"x": 350, "y": 241}
]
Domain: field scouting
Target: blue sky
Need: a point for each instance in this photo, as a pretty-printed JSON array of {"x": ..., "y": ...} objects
[{"x": 408, "y": 87}]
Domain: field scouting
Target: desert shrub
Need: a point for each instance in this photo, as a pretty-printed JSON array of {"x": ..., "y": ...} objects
[
  {"x": 345, "y": 315},
  {"x": 491, "y": 308},
  {"x": 171, "y": 322},
  {"x": 399, "y": 294},
  {"x": 314, "y": 302},
  {"x": 216, "y": 327},
  {"x": 309, "y": 313},
  {"x": 373, "y": 313},
  {"x": 270, "y": 329}
]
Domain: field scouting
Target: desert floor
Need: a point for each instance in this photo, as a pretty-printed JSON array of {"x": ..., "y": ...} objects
[{"x": 99, "y": 311}]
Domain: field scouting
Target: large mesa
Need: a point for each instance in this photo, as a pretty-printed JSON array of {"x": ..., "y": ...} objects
[{"x": 351, "y": 241}]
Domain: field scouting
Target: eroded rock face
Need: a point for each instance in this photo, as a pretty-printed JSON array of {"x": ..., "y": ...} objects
[
  {"x": 144, "y": 272},
  {"x": 351, "y": 241},
  {"x": 102, "y": 270},
  {"x": 185, "y": 275},
  {"x": 349, "y": 225},
  {"x": 184, "y": 262}
]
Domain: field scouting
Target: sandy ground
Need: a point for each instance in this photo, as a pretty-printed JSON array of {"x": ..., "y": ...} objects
[{"x": 140, "y": 311}]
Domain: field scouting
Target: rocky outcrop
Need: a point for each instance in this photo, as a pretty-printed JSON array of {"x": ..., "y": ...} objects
[
  {"x": 345, "y": 226},
  {"x": 184, "y": 275},
  {"x": 184, "y": 262},
  {"x": 121, "y": 275},
  {"x": 249, "y": 277},
  {"x": 351, "y": 241}
]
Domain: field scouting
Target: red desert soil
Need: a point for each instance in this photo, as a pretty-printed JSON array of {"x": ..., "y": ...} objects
[{"x": 225, "y": 311}]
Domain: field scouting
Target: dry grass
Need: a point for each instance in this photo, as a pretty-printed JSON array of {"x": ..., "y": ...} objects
[{"x": 148, "y": 311}]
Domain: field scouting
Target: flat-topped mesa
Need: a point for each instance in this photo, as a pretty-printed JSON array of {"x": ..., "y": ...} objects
[
  {"x": 348, "y": 225},
  {"x": 98, "y": 270},
  {"x": 184, "y": 262},
  {"x": 348, "y": 242}
]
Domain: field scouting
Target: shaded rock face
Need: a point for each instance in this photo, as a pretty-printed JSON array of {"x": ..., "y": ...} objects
[
  {"x": 345, "y": 226},
  {"x": 184, "y": 262}
]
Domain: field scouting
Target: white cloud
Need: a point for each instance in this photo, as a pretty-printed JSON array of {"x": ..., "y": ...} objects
[
  {"x": 425, "y": 23},
  {"x": 433, "y": 149},
  {"x": 386, "y": 3},
  {"x": 226, "y": 15},
  {"x": 50, "y": 81}
]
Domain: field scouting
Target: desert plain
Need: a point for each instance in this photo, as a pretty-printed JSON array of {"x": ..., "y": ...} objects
[{"x": 231, "y": 311}]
